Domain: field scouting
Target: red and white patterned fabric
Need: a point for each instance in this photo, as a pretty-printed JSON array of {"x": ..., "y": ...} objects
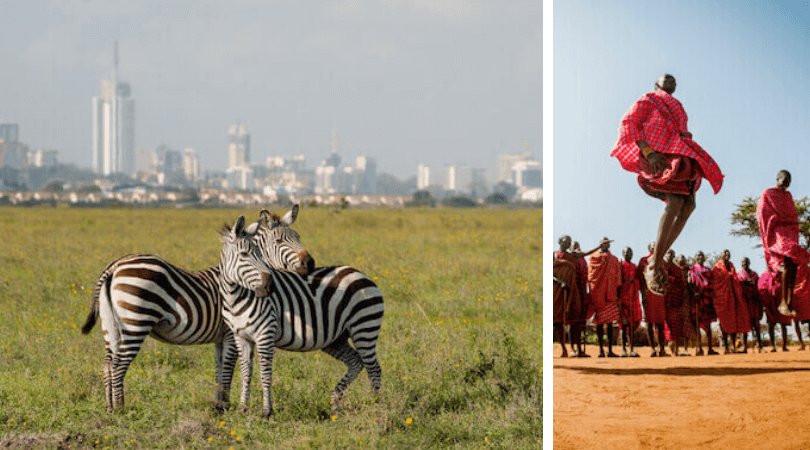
[
  {"x": 659, "y": 119},
  {"x": 699, "y": 279},
  {"x": 779, "y": 228},
  {"x": 748, "y": 280},
  {"x": 604, "y": 279},
  {"x": 654, "y": 310},
  {"x": 769, "y": 287},
  {"x": 628, "y": 295},
  {"x": 728, "y": 299}
]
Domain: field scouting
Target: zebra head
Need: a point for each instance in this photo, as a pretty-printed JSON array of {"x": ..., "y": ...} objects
[
  {"x": 280, "y": 245},
  {"x": 241, "y": 262}
]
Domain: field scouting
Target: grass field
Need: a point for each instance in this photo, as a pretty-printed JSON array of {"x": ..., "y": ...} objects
[{"x": 460, "y": 346}]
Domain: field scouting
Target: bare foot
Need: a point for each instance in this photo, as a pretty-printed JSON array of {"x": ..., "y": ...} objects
[
  {"x": 713, "y": 352},
  {"x": 699, "y": 352},
  {"x": 785, "y": 310}
]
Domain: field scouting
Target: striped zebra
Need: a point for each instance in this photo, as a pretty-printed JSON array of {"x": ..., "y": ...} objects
[
  {"x": 141, "y": 295},
  {"x": 320, "y": 312}
]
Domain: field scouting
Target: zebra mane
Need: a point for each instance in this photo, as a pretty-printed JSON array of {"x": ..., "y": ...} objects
[{"x": 266, "y": 217}]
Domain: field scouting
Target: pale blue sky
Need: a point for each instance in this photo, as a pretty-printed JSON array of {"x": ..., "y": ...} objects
[
  {"x": 406, "y": 81},
  {"x": 742, "y": 69}
]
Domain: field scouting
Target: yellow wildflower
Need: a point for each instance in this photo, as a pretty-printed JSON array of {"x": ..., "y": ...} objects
[
  {"x": 210, "y": 438},
  {"x": 232, "y": 432},
  {"x": 334, "y": 417},
  {"x": 409, "y": 421}
]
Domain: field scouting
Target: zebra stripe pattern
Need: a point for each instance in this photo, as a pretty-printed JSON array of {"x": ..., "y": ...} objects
[
  {"x": 141, "y": 295},
  {"x": 320, "y": 312}
]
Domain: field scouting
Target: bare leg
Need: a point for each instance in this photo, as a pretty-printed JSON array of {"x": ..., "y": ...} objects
[
  {"x": 772, "y": 334},
  {"x": 788, "y": 283},
  {"x": 682, "y": 216},
  {"x": 797, "y": 327},
  {"x": 650, "y": 332},
  {"x": 560, "y": 335},
  {"x": 784, "y": 338}
]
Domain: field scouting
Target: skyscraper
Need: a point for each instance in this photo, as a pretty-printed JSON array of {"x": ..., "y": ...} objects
[
  {"x": 238, "y": 147},
  {"x": 114, "y": 126}
]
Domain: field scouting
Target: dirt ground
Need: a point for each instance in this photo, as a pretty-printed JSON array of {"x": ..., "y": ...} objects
[{"x": 754, "y": 400}]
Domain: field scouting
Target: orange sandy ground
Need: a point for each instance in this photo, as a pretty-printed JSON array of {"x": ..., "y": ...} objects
[{"x": 754, "y": 400}]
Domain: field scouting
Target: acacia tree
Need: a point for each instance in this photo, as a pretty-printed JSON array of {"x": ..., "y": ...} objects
[{"x": 744, "y": 219}]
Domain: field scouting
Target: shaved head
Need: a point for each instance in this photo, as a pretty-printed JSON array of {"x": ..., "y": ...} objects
[{"x": 666, "y": 83}]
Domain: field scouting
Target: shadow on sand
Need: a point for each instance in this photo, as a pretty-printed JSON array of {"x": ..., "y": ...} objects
[{"x": 688, "y": 371}]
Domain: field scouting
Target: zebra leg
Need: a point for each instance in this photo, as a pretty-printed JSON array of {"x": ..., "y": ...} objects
[
  {"x": 342, "y": 351},
  {"x": 246, "y": 359},
  {"x": 120, "y": 365},
  {"x": 365, "y": 342},
  {"x": 108, "y": 395},
  {"x": 229, "y": 356},
  {"x": 265, "y": 351}
]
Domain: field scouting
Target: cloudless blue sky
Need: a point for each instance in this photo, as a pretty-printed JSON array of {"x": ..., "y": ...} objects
[{"x": 743, "y": 72}]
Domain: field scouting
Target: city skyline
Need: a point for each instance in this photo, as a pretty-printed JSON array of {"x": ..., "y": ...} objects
[{"x": 398, "y": 99}]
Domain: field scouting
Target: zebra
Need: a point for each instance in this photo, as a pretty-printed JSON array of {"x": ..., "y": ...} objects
[
  {"x": 141, "y": 295},
  {"x": 319, "y": 312}
]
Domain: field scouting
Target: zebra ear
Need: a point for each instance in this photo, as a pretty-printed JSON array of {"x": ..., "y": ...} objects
[
  {"x": 291, "y": 215},
  {"x": 238, "y": 227},
  {"x": 252, "y": 228}
]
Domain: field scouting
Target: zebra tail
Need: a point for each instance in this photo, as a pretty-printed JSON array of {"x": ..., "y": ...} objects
[{"x": 92, "y": 316}]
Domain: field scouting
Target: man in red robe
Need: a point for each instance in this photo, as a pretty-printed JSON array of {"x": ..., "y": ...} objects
[
  {"x": 704, "y": 314},
  {"x": 604, "y": 279},
  {"x": 748, "y": 281},
  {"x": 655, "y": 143},
  {"x": 566, "y": 298},
  {"x": 575, "y": 318},
  {"x": 629, "y": 302},
  {"x": 673, "y": 302},
  {"x": 729, "y": 302},
  {"x": 779, "y": 229},
  {"x": 769, "y": 288},
  {"x": 654, "y": 307}
]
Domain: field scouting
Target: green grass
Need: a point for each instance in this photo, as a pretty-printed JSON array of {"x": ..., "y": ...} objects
[{"x": 460, "y": 346}]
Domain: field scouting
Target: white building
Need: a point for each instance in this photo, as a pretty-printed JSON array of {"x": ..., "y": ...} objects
[
  {"x": 240, "y": 178},
  {"x": 238, "y": 146},
  {"x": 114, "y": 126},
  {"x": 191, "y": 165},
  {"x": 325, "y": 182},
  {"x": 43, "y": 158},
  {"x": 365, "y": 171},
  {"x": 528, "y": 174},
  {"x": 506, "y": 163},
  {"x": 422, "y": 177}
]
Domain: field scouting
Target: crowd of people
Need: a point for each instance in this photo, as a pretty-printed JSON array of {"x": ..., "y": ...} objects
[{"x": 594, "y": 286}]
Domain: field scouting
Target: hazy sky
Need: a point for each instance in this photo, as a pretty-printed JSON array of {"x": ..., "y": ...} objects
[
  {"x": 405, "y": 81},
  {"x": 742, "y": 69}
]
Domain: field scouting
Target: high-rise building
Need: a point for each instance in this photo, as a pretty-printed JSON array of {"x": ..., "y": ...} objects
[
  {"x": 365, "y": 169},
  {"x": 422, "y": 177},
  {"x": 238, "y": 147},
  {"x": 43, "y": 158},
  {"x": 114, "y": 126},
  {"x": 528, "y": 174},
  {"x": 506, "y": 163},
  {"x": 191, "y": 165},
  {"x": 9, "y": 132}
]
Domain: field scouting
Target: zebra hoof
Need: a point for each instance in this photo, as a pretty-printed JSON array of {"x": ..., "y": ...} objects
[
  {"x": 222, "y": 406},
  {"x": 267, "y": 414}
]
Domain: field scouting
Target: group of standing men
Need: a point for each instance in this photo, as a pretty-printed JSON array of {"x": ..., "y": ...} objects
[
  {"x": 596, "y": 286},
  {"x": 655, "y": 144}
]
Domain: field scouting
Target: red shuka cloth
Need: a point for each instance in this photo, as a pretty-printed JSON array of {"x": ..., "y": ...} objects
[
  {"x": 604, "y": 278},
  {"x": 769, "y": 288},
  {"x": 674, "y": 300},
  {"x": 700, "y": 281},
  {"x": 654, "y": 310},
  {"x": 748, "y": 281},
  {"x": 580, "y": 316},
  {"x": 779, "y": 228},
  {"x": 566, "y": 299},
  {"x": 728, "y": 299},
  {"x": 659, "y": 118},
  {"x": 628, "y": 295},
  {"x": 801, "y": 293}
]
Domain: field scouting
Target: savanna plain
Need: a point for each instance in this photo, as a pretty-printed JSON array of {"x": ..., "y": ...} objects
[{"x": 460, "y": 345}]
